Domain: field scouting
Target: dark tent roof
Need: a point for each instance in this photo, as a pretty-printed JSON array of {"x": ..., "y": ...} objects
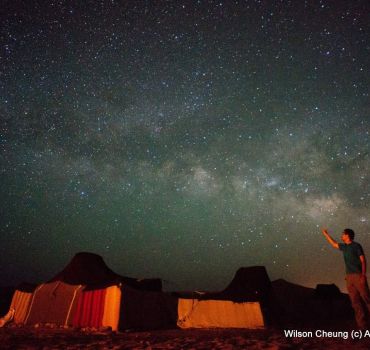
[
  {"x": 86, "y": 268},
  {"x": 90, "y": 269},
  {"x": 327, "y": 291},
  {"x": 249, "y": 284},
  {"x": 289, "y": 291}
]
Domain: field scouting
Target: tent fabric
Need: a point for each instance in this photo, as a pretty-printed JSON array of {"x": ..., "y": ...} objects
[
  {"x": 87, "y": 293},
  {"x": 249, "y": 284},
  {"x": 54, "y": 303},
  {"x": 20, "y": 303},
  {"x": 147, "y": 310},
  {"x": 123, "y": 307},
  {"x": 194, "y": 313},
  {"x": 86, "y": 269},
  {"x": 327, "y": 291},
  {"x": 90, "y": 309},
  {"x": 89, "y": 269},
  {"x": 7, "y": 318},
  {"x": 112, "y": 306},
  {"x": 242, "y": 304}
]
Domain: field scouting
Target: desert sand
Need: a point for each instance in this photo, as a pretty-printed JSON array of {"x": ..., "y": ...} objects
[{"x": 12, "y": 337}]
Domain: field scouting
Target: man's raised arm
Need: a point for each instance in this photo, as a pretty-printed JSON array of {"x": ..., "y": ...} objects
[{"x": 332, "y": 241}]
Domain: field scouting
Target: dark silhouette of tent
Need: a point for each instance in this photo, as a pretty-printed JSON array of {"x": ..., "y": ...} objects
[
  {"x": 90, "y": 269},
  {"x": 147, "y": 310},
  {"x": 308, "y": 307},
  {"x": 249, "y": 284},
  {"x": 87, "y": 269},
  {"x": 327, "y": 291}
]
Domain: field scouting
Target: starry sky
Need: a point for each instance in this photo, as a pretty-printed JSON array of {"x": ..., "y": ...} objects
[{"x": 183, "y": 139}]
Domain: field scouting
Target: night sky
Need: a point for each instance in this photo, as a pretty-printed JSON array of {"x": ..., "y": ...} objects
[{"x": 183, "y": 139}]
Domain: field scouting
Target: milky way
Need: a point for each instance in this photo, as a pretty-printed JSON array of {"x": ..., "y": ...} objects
[{"x": 183, "y": 139}]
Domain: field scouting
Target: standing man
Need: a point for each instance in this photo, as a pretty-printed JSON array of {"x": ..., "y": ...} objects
[{"x": 354, "y": 259}]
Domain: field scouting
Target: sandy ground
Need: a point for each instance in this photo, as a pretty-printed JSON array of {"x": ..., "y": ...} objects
[{"x": 46, "y": 338}]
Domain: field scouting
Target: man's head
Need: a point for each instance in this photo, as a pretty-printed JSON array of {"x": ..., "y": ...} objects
[{"x": 348, "y": 235}]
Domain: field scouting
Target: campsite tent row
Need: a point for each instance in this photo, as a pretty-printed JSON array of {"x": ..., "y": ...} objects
[
  {"x": 88, "y": 294},
  {"x": 63, "y": 304}
]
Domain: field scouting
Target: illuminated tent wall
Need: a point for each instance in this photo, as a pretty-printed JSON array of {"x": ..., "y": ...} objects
[
  {"x": 240, "y": 305},
  {"x": 88, "y": 294},
  {"x": 195, "y": 313},
  {"x": 98, "y": 308},
  {"x": 21, "y": 301},
  {"x": 53, "y": 302}
]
